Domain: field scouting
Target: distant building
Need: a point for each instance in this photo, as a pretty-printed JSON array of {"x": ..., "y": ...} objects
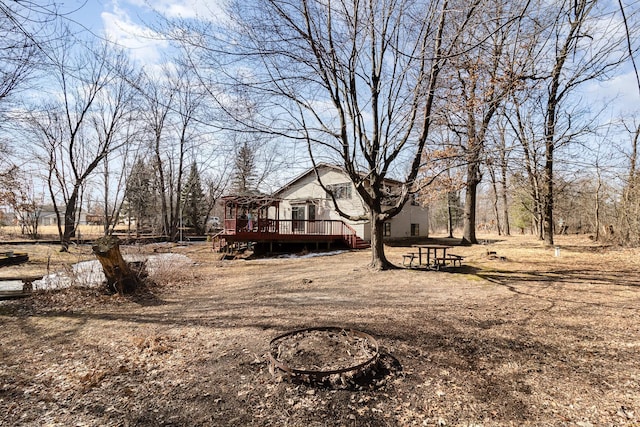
[{"x": 48, "y": 216}]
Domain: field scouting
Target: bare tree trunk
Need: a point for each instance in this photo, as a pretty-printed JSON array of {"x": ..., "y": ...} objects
[
  {"x": 539, "y": 224},
  {"x": 629, "y": 221},
  {"x": 450, "y": 214},
  {"x": 505, "y": 201},
  {"x": 469, "y": 215},
  {"x": 121, "y": 277},
  {"x": 577, "y": 15},
  {"x": 166, "y": 228},
  {"x": 378, "y": 258},
  {"x": 504, "y": 165},
  {"x": 597, "y": 205},
  {"x": 105, "y": 200},
  {"x": 547, "y": 213},
  {"x": 494, "y": 186},
  {"x": 69, "y": 230}
]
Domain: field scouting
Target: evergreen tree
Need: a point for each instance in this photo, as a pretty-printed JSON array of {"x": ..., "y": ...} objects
[
  {"x": 194, "y": 204},
  {"x": 244, "y": 178},
  {"x": 138, "y": 192}
]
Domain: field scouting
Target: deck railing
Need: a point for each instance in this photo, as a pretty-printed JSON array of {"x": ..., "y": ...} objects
[{"x": 321, "y": 227}]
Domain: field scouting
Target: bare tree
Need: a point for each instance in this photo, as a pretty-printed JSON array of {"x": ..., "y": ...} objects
[
  {"x": 17, "y": 192},
  {"x": 491, "y": 167},
  {"x": 504, "y": 158},
  {"x": 356, "y": 81},
  {"x": 581, "y": 44},
  {"x": 524, "y": 131},
  {"x": 189, "y": 106},
  {"x": 159, "y": 99},
  {"x": 630, "y": 208},
  {"x": 629, "y": 217},
  {"x": 498, "y": 166},
  {"x": 567, "y": 44},
  {"x": 115, "y": 126},
  {"x": 25, "y": 31},
  {"x": 442, "y": 175},
  {"x": 75, "y": 135},
  {"x": 481, "y": 79},
  {"x": 215, "y": 186},
  {"x": 172, "y": 117}
]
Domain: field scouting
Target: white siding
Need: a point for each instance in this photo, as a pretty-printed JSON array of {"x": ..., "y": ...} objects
[
  {"x": 307, "y": 190},
  {"x": 401, "y": 223}
]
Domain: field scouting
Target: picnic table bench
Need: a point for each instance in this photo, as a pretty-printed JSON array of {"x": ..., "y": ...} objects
[
  {"x": 411, "y": 256},
  {"x": 450, "y": 258}
]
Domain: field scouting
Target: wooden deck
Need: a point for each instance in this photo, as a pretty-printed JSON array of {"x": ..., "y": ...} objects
[{"x": 290, "y": 231}]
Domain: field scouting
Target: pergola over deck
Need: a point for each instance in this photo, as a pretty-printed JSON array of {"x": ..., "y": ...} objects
[
  {"x": 251, "y": 213},
  {"x": 256, "y": 218}
]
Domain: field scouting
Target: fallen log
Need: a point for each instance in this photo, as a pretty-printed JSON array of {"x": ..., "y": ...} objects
[{"x": 122, "y": 277}]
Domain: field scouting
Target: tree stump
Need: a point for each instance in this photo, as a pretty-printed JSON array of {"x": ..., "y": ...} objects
[{"x": 121, "y": 277}]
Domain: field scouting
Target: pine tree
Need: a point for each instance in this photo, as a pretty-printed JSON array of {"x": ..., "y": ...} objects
[
  {"x": 137, "y": 194},
  {"x": 244, "y": 178},
  {"x": 194, "y": 205}
]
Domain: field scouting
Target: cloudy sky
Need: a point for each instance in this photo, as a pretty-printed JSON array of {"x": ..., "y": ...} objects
[{"x": 130, "y": 22}]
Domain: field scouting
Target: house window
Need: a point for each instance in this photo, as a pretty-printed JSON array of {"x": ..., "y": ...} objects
[
  {"x": 386, "y": 231},
  {"x": 340, "y": 191},
  {"x": 415, "y": 229}
]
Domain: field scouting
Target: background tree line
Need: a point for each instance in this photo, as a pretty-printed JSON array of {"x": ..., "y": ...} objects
[{"x": 480, "y": 108}]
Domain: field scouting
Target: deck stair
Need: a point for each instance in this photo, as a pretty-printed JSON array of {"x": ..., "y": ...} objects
[{"x": 360, "y": 244}]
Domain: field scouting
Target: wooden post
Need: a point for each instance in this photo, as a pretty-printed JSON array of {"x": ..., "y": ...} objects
[{"x": 121, "y": 277}]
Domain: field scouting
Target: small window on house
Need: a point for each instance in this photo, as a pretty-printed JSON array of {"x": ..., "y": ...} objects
[
  {"x": 414, "y": 200},
  {"x": 415, "y": 229},
  {"x": 340, "y": 191},
  {"x": 386, "y": 231}
]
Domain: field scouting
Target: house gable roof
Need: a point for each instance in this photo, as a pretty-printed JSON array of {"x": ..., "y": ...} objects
[
  {"x": 310, "y": 171},
  {"x": 306, "y": 174}
]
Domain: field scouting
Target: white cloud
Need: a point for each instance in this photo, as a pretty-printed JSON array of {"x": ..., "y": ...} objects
[
  {"x": 129, "y": 23},
  {"x": 620, "y": 93},
  {"x": 143, "y": 44},
  {"x": 200, "y": 9}
]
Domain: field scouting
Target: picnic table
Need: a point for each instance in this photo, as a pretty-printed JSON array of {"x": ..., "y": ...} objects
[{"x": 436, "y": 255}]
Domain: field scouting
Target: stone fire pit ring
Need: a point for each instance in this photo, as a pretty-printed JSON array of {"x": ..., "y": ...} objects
[{"x": 352, "y": 352}]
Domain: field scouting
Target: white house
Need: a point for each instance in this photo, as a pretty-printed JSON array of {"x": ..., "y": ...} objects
[
  {"x": 304, "y": 199},
  {"x": 47, "y": 215}
]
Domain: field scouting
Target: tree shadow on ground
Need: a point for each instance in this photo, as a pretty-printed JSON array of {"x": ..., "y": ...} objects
[
  {"x": 450, "y": 241},
  {"x": 628, "y": 277},
  {"x": 586, "y": 249},
  {"x": 433, "y": 352},
  {"x": 145, "y": 296}
]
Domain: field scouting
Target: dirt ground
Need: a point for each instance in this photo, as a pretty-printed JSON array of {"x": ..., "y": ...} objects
[{"x": 524, "y": 338}]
